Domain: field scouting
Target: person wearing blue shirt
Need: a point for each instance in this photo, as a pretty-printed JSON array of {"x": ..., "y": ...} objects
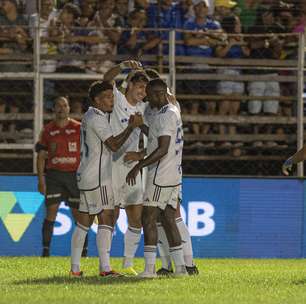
[{"x": 166, "y": 15}]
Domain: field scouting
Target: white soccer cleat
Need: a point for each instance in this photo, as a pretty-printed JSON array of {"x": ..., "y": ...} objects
[{"x": 147, "y": 275}]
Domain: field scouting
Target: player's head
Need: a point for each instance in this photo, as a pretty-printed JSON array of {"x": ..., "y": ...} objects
[
  {"x": 137, "y": 86},
  {"x": 101, "y": 96},
  {"x": 157, "y": 93},
  {"x": 61, "y": 108},
  {"x": 152, "y": 74}
]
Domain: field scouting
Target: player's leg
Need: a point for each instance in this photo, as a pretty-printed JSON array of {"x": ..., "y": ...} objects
[
  {"x": 174, "y": 239},
  {"x": 149, "y": 219},
  {"x": 186, "y": 242},
  {"x": 133, "y": 234},
  {"x": 77, "y": 241}
]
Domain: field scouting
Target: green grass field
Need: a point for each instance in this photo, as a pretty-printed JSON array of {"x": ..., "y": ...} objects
[{"x": 37, "y": 280}]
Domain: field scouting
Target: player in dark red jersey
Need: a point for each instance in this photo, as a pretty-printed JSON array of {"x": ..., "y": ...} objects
[{"x": 59, "y": 153}]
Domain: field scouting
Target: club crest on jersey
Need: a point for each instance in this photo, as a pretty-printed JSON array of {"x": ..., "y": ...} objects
[
  {"x": 72, "y": 147},
  {"x": 70, "y": 131}
]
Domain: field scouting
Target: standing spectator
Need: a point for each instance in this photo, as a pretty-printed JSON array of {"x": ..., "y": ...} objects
[
  {"x": 235, "y": 48},
  {"x": 13, "y": 33},
  {"x": 201, "y": 42},
  {"x": 104, "y": 20},
  {"x": 59, "y": 151}
]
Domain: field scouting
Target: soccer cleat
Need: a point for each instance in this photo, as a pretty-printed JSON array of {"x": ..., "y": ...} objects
[
  {"x": 147, "y": 275},
  {"x": 164, "y": 272},
  {"x": 112, "y": 274},
  {"x": 76, "y": 274},
  {"x": 45, "y": 252},
  {"x": 129, "y": 271},
  {"x": 192, "y": 270}
]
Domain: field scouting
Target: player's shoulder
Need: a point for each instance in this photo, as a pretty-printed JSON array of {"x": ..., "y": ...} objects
[
  {"x": 49, "y": 126},
  {"x": 168, "y": 110},
  {"x": 75, "y": 123}
]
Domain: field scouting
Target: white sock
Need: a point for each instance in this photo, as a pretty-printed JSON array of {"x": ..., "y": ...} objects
[
  {"x": 131, "y": 241},
  {"x": 178, "y": 258},
  {"x": 163, "y": 247},
  {"x": 104, "y": 241},
  {"x": 150, "y": 258},
  {"x": 186, "y": 242},
  {"x": 77, "y": 243}
]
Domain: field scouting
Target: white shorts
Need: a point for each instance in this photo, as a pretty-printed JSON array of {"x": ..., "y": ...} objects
[
  {"x": 97, "y": 200},
  {"x": 161, "y": 197},
  {"x": 124, "y": 194}
]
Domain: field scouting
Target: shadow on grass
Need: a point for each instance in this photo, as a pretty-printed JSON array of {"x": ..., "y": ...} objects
[
  {"x": 90, "y": 280},
  {"x": 300, "y": 282}
]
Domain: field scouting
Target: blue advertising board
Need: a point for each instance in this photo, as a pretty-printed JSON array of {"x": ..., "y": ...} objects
[{"x": 226, "y": 217}]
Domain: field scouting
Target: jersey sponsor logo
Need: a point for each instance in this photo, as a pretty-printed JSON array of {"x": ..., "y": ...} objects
[
  {"x": 64, "y": 160},
  {"x": 17, "y": 210},
  {"x": 70, "y": 131},
  {"x": 72, "y": 146},
  {"x": 53, "y": 133}
]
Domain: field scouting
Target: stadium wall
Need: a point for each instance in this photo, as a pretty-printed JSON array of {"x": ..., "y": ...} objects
[{"x": 227, "y": 217}]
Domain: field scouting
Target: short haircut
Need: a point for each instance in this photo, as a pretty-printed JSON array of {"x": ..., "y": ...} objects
[
  {"x": 72, "y": 9},
  {"x": 228, "y": 24},
  {"x": 140, "y": 76},
  {"x": 158, "y": 84},
  {"x": 152, "y": 74},
  {"x": 98, "y": 87}
]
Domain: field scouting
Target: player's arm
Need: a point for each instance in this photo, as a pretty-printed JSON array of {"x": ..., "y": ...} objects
[
  {"x": 132, "y": 156},
  {"x": 42, "y": 155},
  {"x": 155, "y": 156},
  {"x": 294, "y": 159},
  {"x": 111, "y": 74},
  {"x": 115, "y": 142}
]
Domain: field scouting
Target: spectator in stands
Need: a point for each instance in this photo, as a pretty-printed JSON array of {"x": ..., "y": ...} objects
[
  {"x": 122, "y": 12},
  {"x": 77, "y": 108},
  {"x": 88, "y": 9},
  {"x": 248, "y": 10},
  {"x": 186, "y": 10},
  {"x": 235, "y": 48},
  {"x": 2, "y": 124},
  {"x": 104, "y": 18},
  {"x": 201, "y": 42},
  {"x": 62, "y": 30},
  {"x": 48, "y": 12},
  {"x": 138, "y": 4},
  {"x": 264, "y": 48},
  {"x": 165, "y": 14},
  {"x": 13, "y": 33},
  {"x": 224, "y": 8}
]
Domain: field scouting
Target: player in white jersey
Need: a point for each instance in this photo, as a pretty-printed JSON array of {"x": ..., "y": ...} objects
[
  {"x": 95, "y": 175},
  {"x": 164, "y": 178},
  {"x": 130, "y": 198},
  {"x": 163, "y": 246}
]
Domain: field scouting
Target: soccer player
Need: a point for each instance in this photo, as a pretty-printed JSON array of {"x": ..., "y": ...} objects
[
  {"x": 59, "y": 151},
  {"x": 164, "y": 178},
  {"x": 162, "y": 244},
  {"x": 294, "y": 159},
  {"x": 130, "y": 198},
  {"x": 95, "y": 175}
]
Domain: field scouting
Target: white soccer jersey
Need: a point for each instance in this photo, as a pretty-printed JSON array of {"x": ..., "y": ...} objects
[
  {"x": 120, "y": 119},
  {"x": 95, "y": 166},
  {"x": 167, "y": 122}
]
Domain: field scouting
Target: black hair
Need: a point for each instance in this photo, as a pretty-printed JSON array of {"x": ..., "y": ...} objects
[
  {"x": 98, "y": 87},
  {"x": 228, "y": 24},
  {"x": 158, "y": 83},
  {"x": 139, "y": 76},
  {"x": 152, "y": 74},
  {"x": 72, "y": 9}
]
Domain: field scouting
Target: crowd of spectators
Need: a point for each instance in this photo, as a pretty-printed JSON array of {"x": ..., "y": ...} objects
[{"x": 204, "y": 28}]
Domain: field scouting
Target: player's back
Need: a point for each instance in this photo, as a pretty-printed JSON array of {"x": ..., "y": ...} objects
[
  {"x": 95, "y": 166},
  {"x": 167, "y": 122}
]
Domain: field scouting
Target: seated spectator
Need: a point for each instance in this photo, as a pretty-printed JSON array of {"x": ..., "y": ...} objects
[
  {"x": 235, "y": 48},
  {"x": 224, "y": 8},
  {"x": 62, "y": 29},
  {"x": 103, "y": 20},
  {"x": 48, "y": 12},
  {"x": 122, "y": 12},
  {"x": 165, "y": 15},
  {"x": 186, "y": 10},
  {"x": 248, "y": 10},
  {"x": 88, "y": 9},
  {"x": 13, "y": 33}
]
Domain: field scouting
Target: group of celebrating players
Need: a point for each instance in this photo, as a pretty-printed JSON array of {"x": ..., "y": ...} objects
[{"x": 98, "y": 167}]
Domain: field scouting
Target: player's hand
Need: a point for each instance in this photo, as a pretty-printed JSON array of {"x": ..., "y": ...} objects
[
  {"x": 42, "y": 187},
  {"x": 131, "y": 64},
  {"x": 132, "y": 156},
  {"x": 131, "y": 177},
  {"x": 287, "y": 166},
  {"x": 136, "y": 120}
]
